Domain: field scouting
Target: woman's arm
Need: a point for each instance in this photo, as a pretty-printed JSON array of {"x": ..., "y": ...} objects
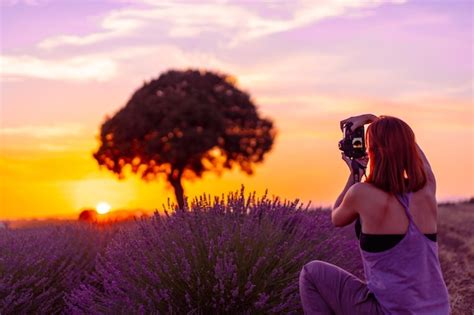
[
  {"x": 344, "y": 210},
  {"x": 431, "y": 180},
  {"x": 360, "y": 120},
  {"x": 349, "y": 183}
]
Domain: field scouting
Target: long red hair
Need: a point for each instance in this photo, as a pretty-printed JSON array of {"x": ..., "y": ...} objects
[{"x": 395, "y": 165}]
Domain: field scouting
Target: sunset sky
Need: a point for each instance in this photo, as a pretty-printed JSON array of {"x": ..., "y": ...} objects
[{"x": 66, "y": 64}]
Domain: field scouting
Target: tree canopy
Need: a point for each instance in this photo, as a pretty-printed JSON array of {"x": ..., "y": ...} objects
[{"x": 183, "y": 124}]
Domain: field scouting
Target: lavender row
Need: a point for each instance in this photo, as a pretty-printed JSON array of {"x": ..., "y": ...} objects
[{"x": 227, "y": 255}]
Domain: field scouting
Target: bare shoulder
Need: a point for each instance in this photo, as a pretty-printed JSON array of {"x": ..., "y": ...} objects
[
  {"x": 362, "y": 195},
  {"x": 356, "y": 192},
  {"x": 371, "y": 198},
  {"x": 362, "y": 190}
]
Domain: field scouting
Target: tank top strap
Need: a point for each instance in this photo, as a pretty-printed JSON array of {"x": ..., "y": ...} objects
[{"x": 405, "y": 201}]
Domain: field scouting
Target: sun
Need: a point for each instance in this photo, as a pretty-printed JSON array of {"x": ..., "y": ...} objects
[{"x": 102, "y": 207}]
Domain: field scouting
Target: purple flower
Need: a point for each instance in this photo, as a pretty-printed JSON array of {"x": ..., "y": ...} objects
[{"x": 232, "y": 254}]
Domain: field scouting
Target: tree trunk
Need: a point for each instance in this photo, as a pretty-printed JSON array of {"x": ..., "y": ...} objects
[{"x": 175, "y": 181}]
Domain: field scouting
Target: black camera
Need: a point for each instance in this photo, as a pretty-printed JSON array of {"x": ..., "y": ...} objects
[{"x": 353, "y": 143}]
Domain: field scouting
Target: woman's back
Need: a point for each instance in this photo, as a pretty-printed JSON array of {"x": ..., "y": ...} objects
[
  {"x": 382, "y": 213},
  {"x": 407, "y": 278}
]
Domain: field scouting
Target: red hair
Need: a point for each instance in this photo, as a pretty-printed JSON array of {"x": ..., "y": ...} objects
[{"x": 395, "y": 165}]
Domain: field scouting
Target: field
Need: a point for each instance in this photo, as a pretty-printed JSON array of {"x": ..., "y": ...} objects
[
  {"x": 456, "y": 248},
  {"x": 217, "y": 259}
]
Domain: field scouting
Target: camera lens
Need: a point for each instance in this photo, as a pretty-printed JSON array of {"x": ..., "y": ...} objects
[{"x": 357, "y": 144}]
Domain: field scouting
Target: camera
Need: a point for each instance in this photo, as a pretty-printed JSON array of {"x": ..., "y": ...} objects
[{"x": 353, "y": 143}]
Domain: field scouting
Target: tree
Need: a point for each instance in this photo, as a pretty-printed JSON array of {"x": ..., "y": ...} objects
[{"x": 183, "y": 124}]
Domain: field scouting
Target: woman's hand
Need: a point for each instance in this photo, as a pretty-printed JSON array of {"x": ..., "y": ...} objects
[
  {"x": 363, "y": 161},
  {"x": 358, "y": 121}
]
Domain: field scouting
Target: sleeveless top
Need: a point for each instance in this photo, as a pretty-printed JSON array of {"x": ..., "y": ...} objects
[{"x": 407, "y": 278}]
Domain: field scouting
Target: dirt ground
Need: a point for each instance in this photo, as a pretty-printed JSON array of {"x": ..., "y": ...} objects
[{"x": 456, "y": 252}]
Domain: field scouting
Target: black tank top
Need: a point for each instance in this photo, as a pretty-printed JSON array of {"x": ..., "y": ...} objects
[{"x": 380, "y": 242}]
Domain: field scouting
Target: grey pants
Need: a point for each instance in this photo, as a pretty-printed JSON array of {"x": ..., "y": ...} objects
[{"x": 329, "y": 289}]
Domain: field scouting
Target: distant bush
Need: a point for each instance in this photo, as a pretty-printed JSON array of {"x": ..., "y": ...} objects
[
  {"x": 39, "y": 266},
  {"x": 241, "y": 256}
]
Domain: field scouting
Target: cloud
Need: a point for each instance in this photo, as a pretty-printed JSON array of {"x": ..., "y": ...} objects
[
  {"x": 51, "y": 131},
  {"x": 99, "y": 68},
  {"x": 236, "y": 22},
  {"x": 306, "y": 13},
  {"x": 430, "y": 93},
  {"x": 296, "y": 70},
  {"x": 115, "y": 24},
  {"x": 24, "y": 2},
  {"x": 189, "y": 19},
  {"x": 104, "y": 66}
]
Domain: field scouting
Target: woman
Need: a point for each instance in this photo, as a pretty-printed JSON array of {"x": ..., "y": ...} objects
[{"x": 397, "y": 211}]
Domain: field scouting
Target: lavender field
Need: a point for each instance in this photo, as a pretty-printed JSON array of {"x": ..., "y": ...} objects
[{"x": 234, "y": 254}]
